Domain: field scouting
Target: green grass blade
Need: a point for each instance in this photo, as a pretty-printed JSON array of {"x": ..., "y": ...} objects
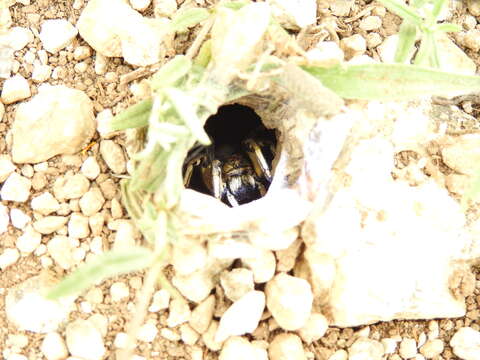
[
  {"x": 437, "y": 8},
  {"x": 423, "y": 57},
  {"x": 101, "y": 267},
  {"x": 403, "y": 10},
  {"x": 133, "y": 117},
  {"x": 171, "y": 72},
  {"x": 406, "y": 42},
  {"x": 188, "y": 18},
  {"x": 392, "y": 81},
  {"x": 448, "y": 27}
]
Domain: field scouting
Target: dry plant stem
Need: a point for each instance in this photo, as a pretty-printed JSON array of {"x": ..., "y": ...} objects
[{"x": 197, "y": 43}]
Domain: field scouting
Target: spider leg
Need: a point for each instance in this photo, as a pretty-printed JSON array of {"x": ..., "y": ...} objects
[
  {"x": 190, "y": 165},
  {"x": 259, "y": 162},
  {"x": 217, "y": 183},
  {"x": 231, "y": 199}
]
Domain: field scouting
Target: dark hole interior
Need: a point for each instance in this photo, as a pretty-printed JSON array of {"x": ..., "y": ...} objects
[{"x": 228, "y": 128}]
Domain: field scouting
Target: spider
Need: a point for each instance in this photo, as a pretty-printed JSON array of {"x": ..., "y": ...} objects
[{"x": 233, "y": 173}]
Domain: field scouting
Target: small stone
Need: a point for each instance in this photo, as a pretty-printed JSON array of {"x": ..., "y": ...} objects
[
  {"x": 286, "y": 347},
  {"x": 6, "y": 168},
  {"x": 96, "y": 222},
  {"x": 41, "y": 72},
  {"x": 19, "y": 218},
  {"x": 314, "y": 329},
  {"x": 202, "y": 315},
  {"x": 432, "y": 348},
  {"x": 4, "y": 219},
  {"x": 188, "y": 335},
  {"x": 19, "y": 37},
  {"x": 90, "y": 168},
  {"x": 60, "y": 249},
  {"x": 209, "y": 338},
  {"x": 125, "y": 236},
  {"x": 112, "y": 153},
  {"x": 179, "y": 313},
  {"x": 45, "y": 204},
  {"x": 109, "y": 189},
  {"x": 164, "y": 8},
  {"x": 339, "y": 355},
  {"x": 141, "y": 5},
  {"x": 262, "y": 265},
  {"x": 121, "y": 340},
  {"x": 237, "y": 347},
  {"x": 341, "y": 7},
  {"x": 463, "y": 154},
  {"x": 294, "y": 14},
  {"x": 15, "y": 89},
  {"x": 16, "y": 188},
  {"x": 119, "y": 291},
  {"x": 289, "y": 299},
  {"x": 160, "y": 301},
  {"x": 71, "y": 187},
  {"x": 326, "y": 53},
  {"x": 84, "y": 340},
  {"x": 28, "y": 241},
  {"x": 465, "y": 343},
  {"x": 49, "y": 224},
  {"x": 100, "y": 322},
  {"x": 366, "y": 349},
  {"x": 147, "y": 332},
  {"x": 188, "y": 257},
  {"x": 53, "y": 347},
  {"x": 370, "y": 23},
  {"x": 408, "y": 348},
  {"x": 57, "y": 34},
  {"x": 473, "y": 7},
  {"x": 92, "y": 201},
  {"x": 78, "y": 226},
  {"x": 389, "y": 345},
  {"x": 236, "y": 283},
  {"x": 353, "y": 45},
  {"x": 471, "y": 39},
  {"x": 242, "y": 316},
  {"x": 116, "y": 209},
  {"x": 169, "y": 334},
  {"x": 8, "y": 258}
]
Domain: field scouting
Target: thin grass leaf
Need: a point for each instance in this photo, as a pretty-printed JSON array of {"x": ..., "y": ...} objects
[
  {"x": 188, "y": 18},
  {"x": 423, "y": 57},
  {"x": 403, "y": 10},
  {"x": 473, "y": 191},
  {"x": 437, "y": 8},
  {"x": 149, "y": 169},
  {"x": 406, "y": 42},
  {"x": 235, "y": 5},
  {"x": 171, "y": 72},
  {"x": 133, "y": 117},
  {"x": 448, "y": 27},
  {"x": 204, "y": 55},
  {"x": 103, "y": 266},
  {"x": 392, "y": 81}
]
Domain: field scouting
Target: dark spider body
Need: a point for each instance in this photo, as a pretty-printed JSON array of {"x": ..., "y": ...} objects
[{"x": 235, "y": 175}]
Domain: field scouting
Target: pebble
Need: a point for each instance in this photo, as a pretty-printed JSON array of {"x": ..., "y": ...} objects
[
  {"x": 286, "y": 347},
  {"x": 8, "y": 258},
  {"x": 162, "y": 8},
  {"x": 56, "y": 34},
  {"x": 121, "y": 340},
  {"x": 45, "y": 204},
  {"x": 116, "y": 209},
  {"x": 45, "y": 127},
  {"x": 209, "y": 337},
  {"x": 15, "y": 89},
  {"x": 463, "y": 154},
  {"x": 84, "y": 340},
  {"x": 179, "y": 312},
  {"x": 125, "y": 236},
  {"x": 242, "y": 316},
  {"x": 53, "y": 347},
  {"x": 237, "y": 348},
  {"x": 202, "y": 315},
  {"x": 262, "y": 265},
  {"x": 28, "y": 241},
  {"x": 289, "y": 299},
  {"x": 294, "y": 14},
  {"x": 432, "y": 348},
  {"x": 339, "y": 355},
  {"x": 188, "y": 256},
  {"x": 473, "y": 7},
  {"x": 353, "y": 45},
  {"x": 160, "y": 301},
  {"x": 341, "y": 7},
  {"x": 236, "y": 283},
  {"x": 78, "y": 226},
  {"x": 314, "y": 329},
  {"x": 27, "y": 308},
  {"x": 119, "y": 291},
  {"x": 96, "y": 222},
  {"x": 471, "y": 39},
  {"x": 370, "y": 23},
  {"x": 147, "y": 332},
  {"x": 287, "y": 258},
  {"x": 408, "y": 348},
  {"x": 16, "y": 188},
  {"x": 19, "y": 218},
  {"x": 90, "y": 168},
  {"x": 113, "y": 156},
  {"x": 41, "y": 72},
  {"x": 49, "y": 224},
  {"x": 188, "y": 335},
  {"x": 19, "y": 37},
  {"x": 100, "y": 322},
  {"x": 60, "y": 249},
  {"x": 466, "y": 343},
  {"x": 4, "y": 219},
  {"x": 389, "y": 344},
  {"x": 326, "y": 53},
  {"x": 71, "y": 187},
  {"x": 366, "y": 349},
  {"x": 195, "y": 287},
  {"x": 6, "y": 168}
]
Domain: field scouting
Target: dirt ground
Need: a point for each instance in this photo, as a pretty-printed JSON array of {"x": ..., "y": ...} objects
[{"x": 112, "y": 95}]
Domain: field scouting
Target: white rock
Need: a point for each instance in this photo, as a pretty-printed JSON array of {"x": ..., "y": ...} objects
[
  {"x": 4, "y": 219},
  {"x": 286, "y": 347},
  {"x": 453, "y": 58},
  {"x": 326, "y": 53},
  {"x": 389, "y": 345},
  {"x": 289, "y": 299},
  {"x": 366, "y": 349},
  {"x": 202, "y": 315},
  {"x": 315, "y": 327},
  {"x": 237, "y": 348},
  {"x": 242, "y": 316},
  {"x": 287, "y": 258},
  {"x": 408, "y": 348},
  {"x": 15, "y": 356},
  {"x": 90, "y": 168},
  {"x": 100, "y": 322},
  {"x": 179, "y": 312},
  {"x": 49, "y": 224},
  {"x": 125, "y": 236},
  {"x": 84, "y": 340},
  {"x": 96, "y": 222},
  {"x": 60, "y": 249},
  {"x": 188, "y": 256},
  {"x": 160, "y": 301},
  {"x": 170, "y": 334},
  {"x": 15, "y": 89},
  {"x": 57, "y": 34},
  {"x": 294, "y": 14},
  {"x": 164, "y": 8},
  {"x": 126, "y": 34},
  {"x": 27, "y": 308},
  {"x": 92, "y": 201},
  {"x": 8, "y": 257},
  {"x": 16, "y": 188},
  {"x": 121, "y": 340},
  {"x": 18, "y": 37},
  {"x": 462, "y": 154},
  {"x": 29, "y": 240},
  {"x": 45, "y": 126},
  {"x": 466, "y": 343},
  {"x": 370, "y": 23},
  {"x": 432, "y": 348},
  {"x": 187, "y": 334},
  {"x": 41, "y": 72},
  {"x": 71, "y": 187},
  {"x": 194, "y": 287},
  {"x": 119, "y": 291},
  {"x": 6, "y": 168},
  {"x": 262, "y": 265},
  {"x": 113, "y": 155},
  {"x": 140, "y": 5},
  {"x": 339, "y": 355},
  {"x": 353, "y": 45},
  {"x": 78, "y": 226},
  {"x": 147, "y": 332},
  {"x": 388, "y": 49},
  {"x": 341, "y": 7},
  {"x": 45, "y": 203},
  {"x": 236, "y": 283},
  {"x": 53, "y": 347},
  {"x": 209, "y": 337},
  {"x": 19, "y": 218}
]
